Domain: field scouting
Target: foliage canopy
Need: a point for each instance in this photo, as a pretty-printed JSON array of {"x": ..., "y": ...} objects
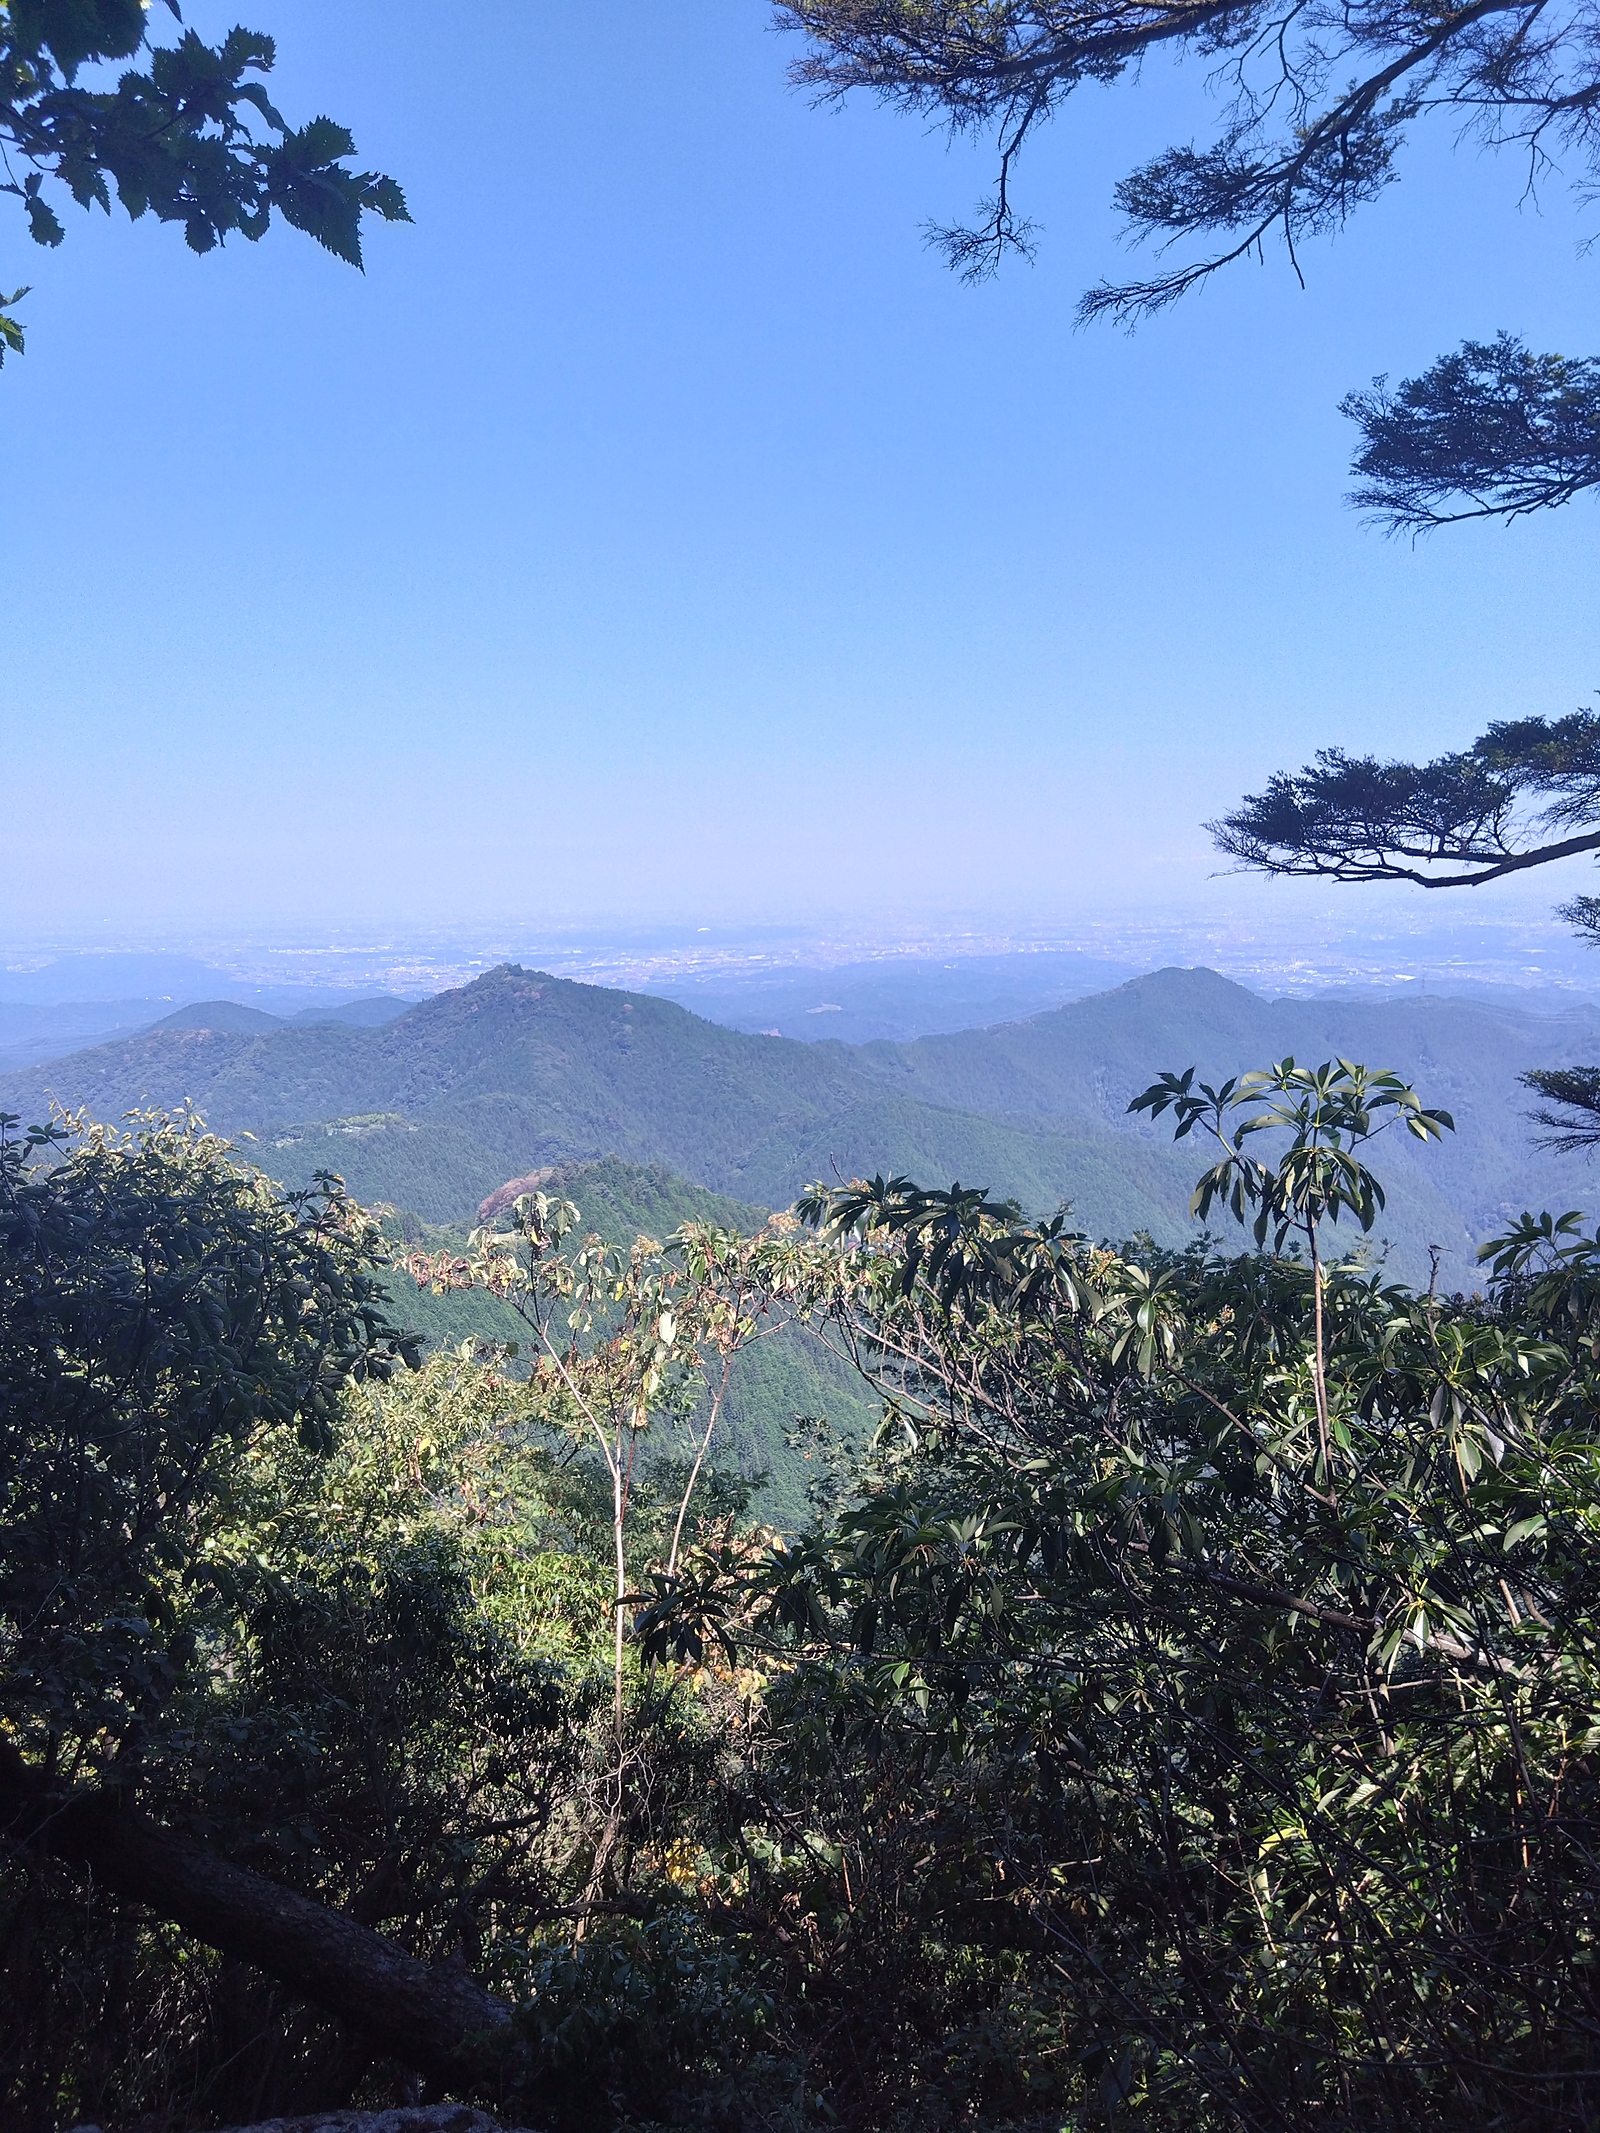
[
  {"x": 1490, "y": 431},
  {"x": 1318, "y": 101},
  {"x": 1186, "y": 1717},
  {"x": 156, "y": 1307},
  {"x": 1457, "y": 822}
]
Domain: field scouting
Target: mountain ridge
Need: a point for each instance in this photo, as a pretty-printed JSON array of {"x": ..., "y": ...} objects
[{"x": 440, "y": 1106}]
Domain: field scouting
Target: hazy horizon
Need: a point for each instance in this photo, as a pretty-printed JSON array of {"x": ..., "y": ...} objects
[{"x": 1308, "y": 943}]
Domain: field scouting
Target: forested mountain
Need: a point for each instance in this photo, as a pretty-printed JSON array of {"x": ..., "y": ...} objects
[
  {"x": 516, "y": 1070},
  {"x": 434, "y": 1110},
  {"x": 1074, "y": 1072}
]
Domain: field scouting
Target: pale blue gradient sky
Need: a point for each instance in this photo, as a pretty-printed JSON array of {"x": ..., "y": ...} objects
[{"x": 658, "y": 528}]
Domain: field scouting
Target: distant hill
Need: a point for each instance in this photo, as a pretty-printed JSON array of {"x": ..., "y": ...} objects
[
  {"x": 117, "y": 975},
  {"x": 1073, "y": 1071},
  {"x": 230, "y": 1015},
  {"x": 33, "y": 1033},
  {"x": 36, "y": 1032},
  {"x": 370, "y": 1012},
  {"x": 141, "y": 976},
  {"x": 435, "y": 1109},
  {"x": 894, "y": 996},
  {"x": 234, "y": 1018}
]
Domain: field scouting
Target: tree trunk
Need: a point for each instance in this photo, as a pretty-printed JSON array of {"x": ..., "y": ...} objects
[{"x": 437, "y": 2021}]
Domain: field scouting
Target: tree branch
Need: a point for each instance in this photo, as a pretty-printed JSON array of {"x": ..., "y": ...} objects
[
  {"x": 1346, "y": 867},
  {"x": 439, "y": 2022}
]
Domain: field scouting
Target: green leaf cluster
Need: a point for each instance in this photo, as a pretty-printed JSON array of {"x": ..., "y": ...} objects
[
  {"x": 1230, "y": 1783},
  {"x": 1327, "y": 1112},
  {"x": 191, "y": 137}
]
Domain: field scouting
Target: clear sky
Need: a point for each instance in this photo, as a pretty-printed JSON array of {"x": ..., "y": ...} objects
[{"x": 658, "y": 528}]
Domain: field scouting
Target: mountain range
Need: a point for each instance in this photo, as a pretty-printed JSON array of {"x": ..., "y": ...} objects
[
  {"x": 435, "y": 1108},
  {"x": 34, "y": 1032},
  {"x": 895, "y": 996}
]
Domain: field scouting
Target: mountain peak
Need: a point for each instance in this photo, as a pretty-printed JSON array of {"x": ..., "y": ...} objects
[
  {"x": 508, "y": 977},
  {"x": 1193, "y": 982},
  {"x": 231, "y": 1017}
]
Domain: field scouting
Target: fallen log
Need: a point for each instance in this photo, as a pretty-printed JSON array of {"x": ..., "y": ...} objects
[{"x": 436, "y": 2021}]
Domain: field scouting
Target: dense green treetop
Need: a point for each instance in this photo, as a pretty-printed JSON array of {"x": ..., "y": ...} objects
[
  {"x": 1187, "y": 1715},
  {"x": 1215, "y": 1689},
  {"x": 156, "y": 1305},
  {"x": 1491, "y": 431},
  {"x": 1524, "y": 793}
]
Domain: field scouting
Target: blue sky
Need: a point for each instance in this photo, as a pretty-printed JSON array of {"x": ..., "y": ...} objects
[{"x": 657, "y": 528}]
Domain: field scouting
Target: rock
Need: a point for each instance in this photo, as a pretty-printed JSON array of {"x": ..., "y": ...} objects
[{"x": 405, "y": 2118}]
